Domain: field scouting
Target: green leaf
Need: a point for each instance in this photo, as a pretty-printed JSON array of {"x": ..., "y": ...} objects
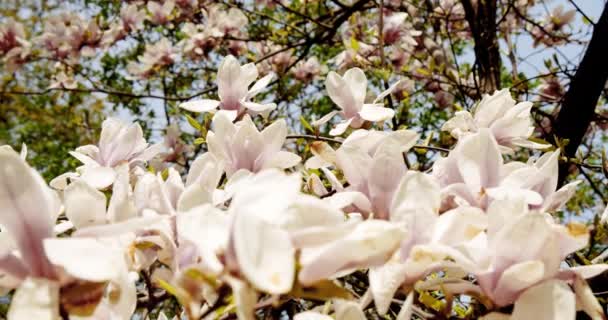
[
  {"x": 198, "y": 141},
  {"x": 194, "y": 123},
  {"x": 306, "y": 125}
]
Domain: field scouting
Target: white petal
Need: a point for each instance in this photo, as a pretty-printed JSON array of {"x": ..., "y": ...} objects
[
  {"x": 479, "y": 160},
  {"x": 259, "y": 86},
  {"x": 245, "y": 299},
  {"x": 84, "y": 205},
  {"x": 36, "y": 298},
  {"x": 98, "y": 177},
  {"x": 84, "y": 258},
  {"x": 357, "y": 83},
  {"x": 348, "y": 310},
  {"x": 259, "y": 107},
  {"x": 550, "y": 300},
  {"x": 324, "y": 119},
  {"x": 203, "y": 105},
  {"x": 516, "y": 278},
  {"x": 386, "y": 92},
  {"x": 371, "y": 243},
  {"x": 282, "y": 160},
  {"x": 375, "y": 113},
  {"x": 27, "y": 210},
  {"x": 207, "y": 228},
  {"x": 340, "y": 128},
  {"x": 341, "y": 94},
  {"x": 311, "y": 315},
  {"x": 264, "y": 253},
  {"x": 384, "y": 282}
]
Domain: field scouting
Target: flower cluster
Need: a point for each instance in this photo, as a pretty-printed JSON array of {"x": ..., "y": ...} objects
[{"x": 250, "y": 223}]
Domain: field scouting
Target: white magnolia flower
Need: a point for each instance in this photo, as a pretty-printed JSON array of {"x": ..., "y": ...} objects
[
  {"x": 39, "y": 265},
  {"x": 241, "y": 146},
  {"x": 349, "y": 92},
  {"x": 510, "y": 123},
  {"x": 233, "y": 81},
  {"x": 119, "y": 144}
]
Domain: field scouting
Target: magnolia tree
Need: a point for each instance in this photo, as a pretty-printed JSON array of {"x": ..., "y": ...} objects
[{"x": 306, "y": 160}]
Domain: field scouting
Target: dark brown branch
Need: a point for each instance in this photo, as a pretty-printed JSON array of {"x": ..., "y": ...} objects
[
  {"x": 482, "y": 22},
  {"x": 578, "y": 108}
]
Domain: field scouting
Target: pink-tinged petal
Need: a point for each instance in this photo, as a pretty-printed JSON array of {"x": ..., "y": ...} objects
[
  {"x": 548, "y": 165},
  {"x": 558, "y": 199},
  {"x": 346, "y": 198},
  {"x": 493, "y": 107},
  {"x": 84, "y": 258},
  {"x": 341, "y": 127},
  {"x": 229, "y": 85},
  {"x": 36, "y": 298},
  {"x": 110, "y": 129},
  {"x": 129, "y": 142},
  {"x": 371, "y": 243},
  {"x": 386, "y": 171},
  {"x": 341, "y": 94},
  {"x": 550, "y": 300},
  {"x": 355, "y": 164},
  {"x": 259, "y": 86},
  {"x": 110, "y": 230},
  {"x": 384, "y": 281},
  {"x": 315, "y": 185},
  {"x": 12, "y": 271},
  {"x": 282, "y": 160},
  {"x": 28, "y": 211},
  {"x": 311, "y": 315},
  {"x": 479, "y": 160},
  {"x": 416, "y": 192},
  {"x": 264, "y": 253},
  {"x": 84, "y": 205},
  {"x": 203, "y": 105},
  {"x": 587, "y": 300},
  {"x": 526, "y": 238},
  {"x": 274, "y": 136},
  {"x": 348, "y": 310},
  {"x": 515, "y": 279},
  {"x": 375, "y": 113},
  {"x": 324, "y": 119},
  {"x": 98, "y": 177},
  {"x": 357, "y": 83}
]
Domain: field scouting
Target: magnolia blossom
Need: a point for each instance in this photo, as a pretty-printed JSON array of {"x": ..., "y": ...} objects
[
  {"x": 307, "y": 70},
  {"x": 160, "y": 13},
  {"x": 119, "y": 143},
  {"x": 67, "y": 36},
  {"x": 397, "y": 29},
  {"x": 349, "y": 93},
  {"x": 13, "y": 43},
  {"x": 159, "y": 54},
  {"x": 475, "y": 173},
  {"x": 241, "y": 146},
  {"x": 233, "y": 82},
  {"x": 510, "y": 123},
  {"x": 35, "y": 262}
]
